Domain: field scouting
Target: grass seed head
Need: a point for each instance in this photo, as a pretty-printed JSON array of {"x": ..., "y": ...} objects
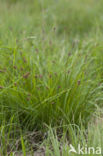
[
  {"x": 15, "y": 84},
  {"x": 2, "y": 71},
  {"x": 53, "y": 61},
  {"x": 28, "y": 98},
  {"x": 40, "y": 76},
  {"x": 68, "y": 71},
  {"x": 55, "y": 74},
  {"x": 24, "y": 59},
  {"x": 53, "y": 103},
  {"x": 69, "y": 54},
  {"x": 1, "y": 87},
  {"x": 25, "y": 76},
  {"x": 79, "y": 82},
  {"x": 29, "y": 95},
  {"x": 54, "y": 29},
  {"x": 36, "y": 76},
  {"x": 15, "y": 67},
  {"x": 50, "y": 76},
  {"x": 59, "y": 87},
  {"x": 21, "y": 68},
  {"x": 36, "y": 50},
  {"x": 47, "y": 87}
]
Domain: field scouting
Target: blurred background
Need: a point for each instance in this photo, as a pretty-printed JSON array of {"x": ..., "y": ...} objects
[{"x": 72, "y": 18}]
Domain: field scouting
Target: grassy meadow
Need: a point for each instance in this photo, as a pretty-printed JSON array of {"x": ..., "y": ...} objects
[{"x": 51, "y": 76}]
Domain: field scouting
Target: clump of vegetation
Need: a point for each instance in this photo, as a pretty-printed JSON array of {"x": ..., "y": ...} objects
[{"x": 51, "y": 74}]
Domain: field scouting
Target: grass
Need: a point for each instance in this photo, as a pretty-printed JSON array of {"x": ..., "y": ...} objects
[{"x": 51, "y": 75}]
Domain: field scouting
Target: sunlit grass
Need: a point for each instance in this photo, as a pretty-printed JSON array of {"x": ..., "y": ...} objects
[{"x": 51, "y": 73}]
